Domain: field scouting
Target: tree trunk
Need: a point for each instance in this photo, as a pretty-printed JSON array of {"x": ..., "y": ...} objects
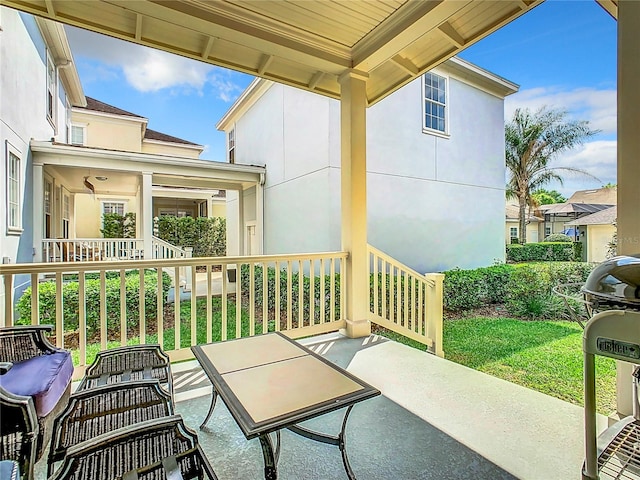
[{"x": 522, "y": 231}]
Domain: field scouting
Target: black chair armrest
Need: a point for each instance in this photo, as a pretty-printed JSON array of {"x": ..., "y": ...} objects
[
  {"x": 5, "y": 367},
  {"x": 21, "y": 342}
]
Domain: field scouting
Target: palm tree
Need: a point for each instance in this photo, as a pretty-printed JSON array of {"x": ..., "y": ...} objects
[{"x": 532, "y": 140}]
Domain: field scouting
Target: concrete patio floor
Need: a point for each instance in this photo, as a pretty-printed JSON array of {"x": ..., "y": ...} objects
[{"x": 435, "y": 420}]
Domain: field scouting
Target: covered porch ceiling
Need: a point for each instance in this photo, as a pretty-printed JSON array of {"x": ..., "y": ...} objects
[{"x": 304, "y": 43}]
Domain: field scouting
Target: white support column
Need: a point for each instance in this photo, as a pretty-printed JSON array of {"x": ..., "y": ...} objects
[
  {"x": 353, "y": 149},
  {"x": 628, "y": 165},
  {"x": 241, "y": 231},
  {"x": 260, "y": 215},
  {"x": 146, "y": 210},
  {"x": 38, "y": 210}
]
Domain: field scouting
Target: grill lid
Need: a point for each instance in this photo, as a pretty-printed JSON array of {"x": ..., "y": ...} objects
[{"x": 614, "y": 284}]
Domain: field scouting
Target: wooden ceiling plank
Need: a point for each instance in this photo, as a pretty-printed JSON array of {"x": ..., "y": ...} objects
[
  {"x": 50, "y": 8},
  {"x": 315, "y": 80},
  {"x": 138, "y": 26},
  {"x": 264, "y": 64}
]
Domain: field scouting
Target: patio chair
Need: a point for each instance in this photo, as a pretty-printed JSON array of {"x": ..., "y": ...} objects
[
  {"x": 159, "y": 448},
  {"x": 99, "y": 410},
  {"x": 40, "y": 372},
  {"x": 129, "y": 363},
  {"x": 18, "y": 429}
]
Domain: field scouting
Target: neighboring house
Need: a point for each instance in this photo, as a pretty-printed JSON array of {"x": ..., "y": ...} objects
[
  {"x": 512, "y": 224},
  {"x": 67, "y": 159},
  {"x": 435, "y": 169},
  {"x": 597, "y": 231},
  {"x": 561, "y": 217}
]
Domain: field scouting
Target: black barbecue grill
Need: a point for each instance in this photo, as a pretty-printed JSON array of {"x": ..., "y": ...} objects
[{"x": 612, "y": 297}]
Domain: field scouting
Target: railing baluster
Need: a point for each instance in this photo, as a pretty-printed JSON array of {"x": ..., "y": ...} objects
[
  {"x": 312, "y": 292},
  {"x": 123, "y": 307},
  {"x": 265, "y": 297},
  {"x": 300, "y": 294},
  {"x": 176, "y": 308},
  {"x": 209, "y": 302},
  {"x": 277, "y": 309},
  {"x": 59, "y": 311},
  {"x": 405, "y": 299},
  {"x": 223, "y": 326},
  {"x": 103, "y": 310},
  {"x": 289, "y": 295},
  {"x": 143, "y": 316},
  {"x": 252, "y": 300},
  {"x": 238, "y": 302},
  {"x": 332, "y": 293},
  {"x": 323, "y": 292},
  {"x": 194, "y": 311},
  {"x": 374, "y": 260},
  {"x": 35, "y": 299},
  {"x": 82, "y": 317},
  {"x": 160, "y": 306}
]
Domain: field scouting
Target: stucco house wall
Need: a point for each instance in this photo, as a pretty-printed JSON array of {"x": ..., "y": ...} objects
[
  {"x": 429, "y": 205},
  {"x": 114, "y": 133},
  {"x": 598, "y": 238}
]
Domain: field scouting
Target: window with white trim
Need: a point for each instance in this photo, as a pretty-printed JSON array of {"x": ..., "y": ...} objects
[
  {"x": 435, "y": 103},
  {"x": 232, "y": 145},
  {"x": 113, "y": 207},
  {"x": 78, "y": 134},
  {"x": 52, "y": 86},
  {"x": 48, "y": 202},
  {"x": 513, "y": 232},
  {"x": 547, "y": 231},
  {"x": 66, "y": 213},
  {"x": 14, "y": 189}
]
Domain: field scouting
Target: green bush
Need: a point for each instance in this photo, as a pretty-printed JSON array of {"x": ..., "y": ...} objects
[
  {"x": 558, "y": 237},
  {"x": 207, "y": 236},
  {"x": 47, "y": 293},
  {"x": 295, "y": 300},
  {"x": 118, "y": 226},
  {"x": 541, "y": 252},
  {"x": 467, "y": 289}
]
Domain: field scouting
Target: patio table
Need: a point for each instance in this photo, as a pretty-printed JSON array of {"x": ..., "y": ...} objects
[{"x": 270, "y": 382}]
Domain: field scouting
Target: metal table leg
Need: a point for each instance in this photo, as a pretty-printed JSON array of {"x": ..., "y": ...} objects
[
  {"x": 214, "y": 397},
  {"x": 270, "y": 456},
  {"x": 338, "y": 440}
]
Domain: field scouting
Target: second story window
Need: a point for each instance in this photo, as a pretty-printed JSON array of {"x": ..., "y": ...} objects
[
  {"x": 435, "y": 103},
  {"x": 232, "y": 146},
  {"x": 14, "y": 190},
  {"x": 52, "y": 85},
  {"x": 78, "y": 135}
]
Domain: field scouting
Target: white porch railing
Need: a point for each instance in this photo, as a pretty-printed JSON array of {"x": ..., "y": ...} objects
[
  {"x": 162, "y": 249},
  {"x": 101, "y": 304},
  {"x": 91, "y": 249},
  {"x": 406, "y": 302}
]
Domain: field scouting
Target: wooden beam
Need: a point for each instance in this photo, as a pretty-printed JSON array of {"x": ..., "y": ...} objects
[
  {"x": 405, "y": 64},
  {"x": 315, "y": 80},
  {"x": 207, "y": 49},
  {"x": 452, "y": 34},
  {"x": 138, "y": 26},
  {"x": 264, "y": 64},
  {"x": 50, "y": 8}
]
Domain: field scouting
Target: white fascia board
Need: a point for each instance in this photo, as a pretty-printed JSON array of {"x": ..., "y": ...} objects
[
  {"x": 479, "y": 77},
  {"x": 245, "y": 101},
  {"x": 71, "y": 155},
  {"x": 84, "y": 111},
  {"x": 56, "y": 39}
]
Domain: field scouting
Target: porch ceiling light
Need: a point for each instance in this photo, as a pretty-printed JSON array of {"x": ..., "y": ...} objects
[{"x": 101, "y": 179}]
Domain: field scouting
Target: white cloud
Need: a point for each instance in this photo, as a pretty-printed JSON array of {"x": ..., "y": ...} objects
[
  {"x": 596, "y": 105},
  {"x": 149, "y": 70}
]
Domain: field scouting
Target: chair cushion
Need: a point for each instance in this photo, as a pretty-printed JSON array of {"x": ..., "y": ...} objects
[{"x": 44, "y": 378}]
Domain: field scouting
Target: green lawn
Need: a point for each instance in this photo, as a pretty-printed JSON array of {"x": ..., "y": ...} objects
[{"x": 542, "y": 355}]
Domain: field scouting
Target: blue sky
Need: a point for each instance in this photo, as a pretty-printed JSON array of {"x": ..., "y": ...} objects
[{"x": 562, "y": 54}]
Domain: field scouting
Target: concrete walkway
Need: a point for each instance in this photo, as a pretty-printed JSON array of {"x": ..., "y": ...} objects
[{"x": 435, "y": 420}]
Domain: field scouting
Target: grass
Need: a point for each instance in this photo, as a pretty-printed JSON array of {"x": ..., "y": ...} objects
[{"x": 542, "y": 355}]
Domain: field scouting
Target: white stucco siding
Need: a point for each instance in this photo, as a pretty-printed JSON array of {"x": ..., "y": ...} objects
[
  {"x": 474, "y": 152},
  {"x": 307, "y": 123},
  {"x": 259, "y": 134},
  {"x": 413, "y": 221},
  {"x": 304, "y": 215}
]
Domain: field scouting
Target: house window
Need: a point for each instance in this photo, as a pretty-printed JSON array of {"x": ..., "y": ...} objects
[
  {"x": 78, "y": 135},
  {"x": 48, "y": 199},
  {"x": 513, "y": 232},
  {"x": 14, "y": 194},
  {"x": 66, "y": 204},
  {"x": 547, "y": 231},
  {"x": 113, "y": 207},
  {"x": 52, "y": 83},
  {"x": 435, "y": 103},
  {"x": 232, "y": 146}
]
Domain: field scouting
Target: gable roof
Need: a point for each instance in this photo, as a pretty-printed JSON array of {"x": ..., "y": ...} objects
[
  {"x": 513, "y": 213},
  {"x": 163, "y": 137},
  {"x": 561, "y": 208},
  {"x": 604, "y": 196},
  {"x": 603, "y": 217},
  {"x": 98, "y": 106}
]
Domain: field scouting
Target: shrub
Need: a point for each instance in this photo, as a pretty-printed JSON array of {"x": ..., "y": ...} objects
[
  {"x": 47, "y": 301},
  {"x": 529, "y": 293},
  {"x": 463, "y": 289},
  {"x": 118, "y": 226},
  {"x": 496, "y": 280},
  {"x": 541, "y": 252},
  {"x": 558, "y": 237},
  {"x": 207, "y": 236}
]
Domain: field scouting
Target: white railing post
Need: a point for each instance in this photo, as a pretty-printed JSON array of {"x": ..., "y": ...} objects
[
  {"x": 188, "y": 253},
  {"x": 434, "y": 312}
]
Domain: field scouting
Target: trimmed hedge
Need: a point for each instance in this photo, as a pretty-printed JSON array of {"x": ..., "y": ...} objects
[
  {"x": 545, "y": 252},
  {"x": 70, "y": 302},
  {"x": 207, "y": 236},
  {"x": 526, "y": 290}
]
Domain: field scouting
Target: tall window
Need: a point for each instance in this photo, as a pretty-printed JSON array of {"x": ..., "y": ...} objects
[
  {"x": 14, "y": 184},
  {"x": 113, "y": 207},
  {"x": 48, "y": 202},
  {"x": 435, "y": 103},
  {"x": 52, "y": 83},
  {"x": 66, "y": 214},
  {"x": 232, "y": 146},
  {"x": 513, "y": 232},
  {"x": 547, "y": 231}
]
